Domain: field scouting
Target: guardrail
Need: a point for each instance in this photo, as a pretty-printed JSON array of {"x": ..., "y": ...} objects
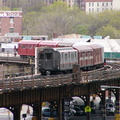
[{"x": 35, "y": 81}]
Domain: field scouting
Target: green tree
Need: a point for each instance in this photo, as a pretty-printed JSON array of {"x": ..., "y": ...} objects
[
  {"x": 108, "y": 31},
  {"x": 30, "y": 22},
  {"x": 55, "y": 18},
  {"x": 59, "y": 18}
]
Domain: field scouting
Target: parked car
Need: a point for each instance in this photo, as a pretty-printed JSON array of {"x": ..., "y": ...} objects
[
  {"x": 110, "y": 108},
  {"x": 77, "y": 110},
  {"x": 46, "y": 112}
]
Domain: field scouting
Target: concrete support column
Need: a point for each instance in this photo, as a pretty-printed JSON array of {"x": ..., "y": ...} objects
[
  {"x": 52, "y": 107},
  {"x": 60, "y": 109},
  {"x": 87, "y": 104},
  {"x": 117, "y": 112},
  {"x": 16, "y": 112},
  {"x": 37, "y": 111},
  {"x": 88, "y": 114},
  {"x": 103, "y": 105}
]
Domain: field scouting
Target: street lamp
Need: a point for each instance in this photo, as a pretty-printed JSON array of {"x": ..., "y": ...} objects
[{"x": 104, "y": 87}]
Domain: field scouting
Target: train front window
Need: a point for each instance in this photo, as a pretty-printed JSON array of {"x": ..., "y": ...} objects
[
  {"x": 41, "y": 56},
  {"x": 48, "y": 55}
]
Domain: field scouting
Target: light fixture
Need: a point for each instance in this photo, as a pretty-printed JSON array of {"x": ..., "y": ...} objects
[{"x": 104, "y": 87}]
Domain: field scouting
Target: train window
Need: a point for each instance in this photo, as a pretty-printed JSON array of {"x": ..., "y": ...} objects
[
  {"x": 30, "y": 46},
  {"x": 62, "y": 55},
  {"x": 20, "y": 46},
  {"x": 27, "y": 46},
  {"x": 69, "y": 55},
  {"x": 72, "y": 55},
  {"x": 75, "y": 54},
  {"x": 88, "y": 54},
  {"x": 23, "y": 46},
  {"x": 48, "y": 55},
  {"x": 66, "y": 56},
  {"x": 41, "y": 56}
]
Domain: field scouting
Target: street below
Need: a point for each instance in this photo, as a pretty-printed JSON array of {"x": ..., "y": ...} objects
[{"x": 93, "y": 117}]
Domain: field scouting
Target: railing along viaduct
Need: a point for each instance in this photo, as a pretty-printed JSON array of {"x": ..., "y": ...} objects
[{"x": 35, "y": 89}]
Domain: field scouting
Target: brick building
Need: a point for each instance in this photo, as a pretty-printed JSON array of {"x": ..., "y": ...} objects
[{"x": 10, "y": 22}]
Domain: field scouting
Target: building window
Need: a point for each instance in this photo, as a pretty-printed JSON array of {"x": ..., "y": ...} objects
[
  {"x": 11, "y": 30},
  {"x": 11, "y": 20},
  {"x": 97, "y": 9},
  {"x": 102, "y": 4},
  {"x": 0, "y": 19},
  {"x": 92, "y": 4},
  {"x": 0, "y": 30},
  {"x": 97, "y": 4},
  {"x": 89, "y": 4},
  {"x": 106, "y": 4}
]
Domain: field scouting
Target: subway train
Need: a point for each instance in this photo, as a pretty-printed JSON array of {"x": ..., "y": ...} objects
[
  {"x": 26, "y": 48},
  {"x": 61, "y": 59}
]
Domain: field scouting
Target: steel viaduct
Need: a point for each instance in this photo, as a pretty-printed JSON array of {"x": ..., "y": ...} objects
[{"x": 35, "y": 89}]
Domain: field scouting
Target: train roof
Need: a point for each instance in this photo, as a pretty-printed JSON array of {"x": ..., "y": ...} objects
[
  {"x": 49, "y": 43},
  {"x": 29, "y": 41},
  {"x": 65, "y": 44},
  {"x": 92, "y": 45},
  {"x": 64, "y": 49},
  {"x": 83, "y": 48}
]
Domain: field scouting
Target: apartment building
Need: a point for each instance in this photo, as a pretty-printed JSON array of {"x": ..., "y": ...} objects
[
  {"x": 98, "y": 5},
  {"x": 85, "y": 5},
  {"x": 10, "y": 22},
  {"x": 116, "y": 4}
]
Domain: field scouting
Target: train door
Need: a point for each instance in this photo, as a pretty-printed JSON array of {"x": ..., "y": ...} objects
[
  {"x": 73, "y": 59},
  {"x": 64, "y": 61},
  {"x": 45, "y": 62},
  {"x": 48, "y": 61}
]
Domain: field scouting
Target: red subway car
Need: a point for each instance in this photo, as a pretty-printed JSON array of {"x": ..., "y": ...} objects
[{"x": 26, "y": 48}]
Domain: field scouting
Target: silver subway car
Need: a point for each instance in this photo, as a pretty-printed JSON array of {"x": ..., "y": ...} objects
[{"x": 57, "y": 60}]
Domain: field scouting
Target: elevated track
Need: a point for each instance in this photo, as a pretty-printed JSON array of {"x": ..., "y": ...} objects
[
  {"x": 38, "y": 81},
  {"x": 35, "y": 89}
]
